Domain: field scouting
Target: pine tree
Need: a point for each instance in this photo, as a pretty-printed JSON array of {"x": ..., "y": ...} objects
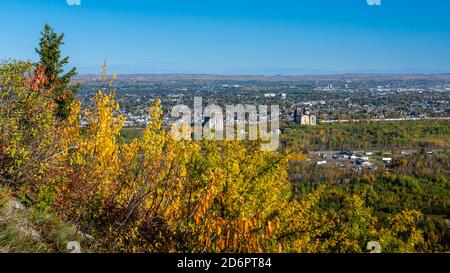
[{"x": 50, "y": 58}]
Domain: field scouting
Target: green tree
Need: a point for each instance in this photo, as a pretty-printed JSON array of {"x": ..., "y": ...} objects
[{"x": 50, "y": 58}]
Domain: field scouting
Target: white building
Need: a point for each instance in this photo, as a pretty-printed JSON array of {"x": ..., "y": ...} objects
[
  {"x": 269, "y": 95},
  {"x": 387, "y": 159}
]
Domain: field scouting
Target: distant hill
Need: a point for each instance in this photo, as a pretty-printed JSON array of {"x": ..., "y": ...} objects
[{"x": 354, "y": 77}]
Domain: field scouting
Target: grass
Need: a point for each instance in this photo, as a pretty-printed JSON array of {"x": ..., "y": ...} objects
[
  {"x": 13, "y": 240},
  {"x": 14, "y": 237},
  {"x": 30, "y": 230}
]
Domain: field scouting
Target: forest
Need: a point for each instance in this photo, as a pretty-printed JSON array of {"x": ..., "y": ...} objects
[
  {"x": 368, "y": 135},
  {"x": 419, "y": 181}
]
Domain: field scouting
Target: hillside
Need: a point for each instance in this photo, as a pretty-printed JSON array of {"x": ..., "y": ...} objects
[{"x": 28, "y": 230}]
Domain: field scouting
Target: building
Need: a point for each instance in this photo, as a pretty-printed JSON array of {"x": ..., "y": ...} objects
[
  {"x": 270, "y": 95},
  {"x": 298, "y": 115},
  {"x": 387, "y": 159}
]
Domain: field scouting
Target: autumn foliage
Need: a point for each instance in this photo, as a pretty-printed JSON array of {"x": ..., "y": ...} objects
[{"x": 156, "y": 194}]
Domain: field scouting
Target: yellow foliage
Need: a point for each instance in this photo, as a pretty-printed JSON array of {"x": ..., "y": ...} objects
[{"x": 156, "y": 194}]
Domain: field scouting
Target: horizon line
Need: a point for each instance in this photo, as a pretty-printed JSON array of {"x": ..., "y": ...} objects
[{"x": 274, "y": 75}]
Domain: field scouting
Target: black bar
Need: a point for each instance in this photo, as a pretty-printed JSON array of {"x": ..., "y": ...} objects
[{"x": 224, "y": 262}]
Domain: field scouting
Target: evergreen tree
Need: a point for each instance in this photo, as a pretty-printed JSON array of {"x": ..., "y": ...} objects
[{"x": 50, "y": 58}]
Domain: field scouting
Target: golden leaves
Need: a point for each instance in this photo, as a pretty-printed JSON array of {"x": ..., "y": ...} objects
[{"x": 157, "y": 194}]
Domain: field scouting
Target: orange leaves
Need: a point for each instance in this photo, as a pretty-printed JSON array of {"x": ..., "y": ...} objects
[
  {"x": 39, "y": 79},
  {"x": 65, "y": 96},
  {"x": 221, "y": 244},
  {"x": 26, "y": 119},
  {"x": 244, "y": 189},
  {"x": 204, "y": 204},
  {"x": 270, "y": 228}
]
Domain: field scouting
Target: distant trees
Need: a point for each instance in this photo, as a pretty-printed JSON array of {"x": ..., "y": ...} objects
[
  {"x": 415, "y": 182},
  {"x": 50, "y": 58},
  {"x": 351, "y": 136}
]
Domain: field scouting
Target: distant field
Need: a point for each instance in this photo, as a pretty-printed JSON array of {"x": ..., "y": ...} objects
[{"x": 128, "y": 134}]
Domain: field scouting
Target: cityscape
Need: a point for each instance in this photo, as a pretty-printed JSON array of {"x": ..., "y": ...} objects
[{"x": 351, "y": 98}]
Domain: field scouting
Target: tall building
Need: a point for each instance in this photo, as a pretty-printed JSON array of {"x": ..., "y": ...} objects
[{"x": 298, "y": 115}]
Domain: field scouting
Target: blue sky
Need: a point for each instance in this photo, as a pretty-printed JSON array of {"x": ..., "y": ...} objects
[{"x": 237, "y": 36}]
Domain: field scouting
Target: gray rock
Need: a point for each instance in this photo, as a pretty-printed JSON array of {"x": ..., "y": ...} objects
[
  {"x": 73, "y": 247},
  {"x": 18, "y": 205},
  {"x": 36, "y": 235},
  {"x": 86, "y": 236}
]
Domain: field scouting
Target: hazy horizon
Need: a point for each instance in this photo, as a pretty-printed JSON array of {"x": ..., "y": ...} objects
[{"x": 277, "y": 75}]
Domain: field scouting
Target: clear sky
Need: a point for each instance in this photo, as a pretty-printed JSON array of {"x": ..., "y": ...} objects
[{"x": 237, "y": 36}]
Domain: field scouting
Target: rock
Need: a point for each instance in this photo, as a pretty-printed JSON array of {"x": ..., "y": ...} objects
[
  {"x": 36, "y": 235},
  {"x": 73, "y": 247},
  {"x": 86, "y": 236},
  {"x": 11, "y": 207},
  {"x": 18, "y": 205},
  {"x": 374, "y": 247}
]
